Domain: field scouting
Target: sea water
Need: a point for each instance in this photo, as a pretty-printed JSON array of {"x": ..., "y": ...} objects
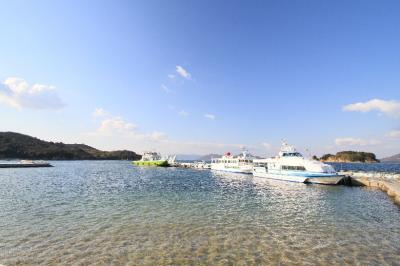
[{"x": 113, "y": 213}]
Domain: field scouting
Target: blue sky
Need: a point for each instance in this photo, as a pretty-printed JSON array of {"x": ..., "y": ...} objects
[{"x": 203, "y": 76}]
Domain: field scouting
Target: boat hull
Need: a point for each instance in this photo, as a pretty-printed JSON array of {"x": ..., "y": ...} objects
[
  {"x": 325, "y": 180},
  {"x": 314, "y": 179},
  {"x": 232, "y": 169},
  {"x": 159, "y": 163}
]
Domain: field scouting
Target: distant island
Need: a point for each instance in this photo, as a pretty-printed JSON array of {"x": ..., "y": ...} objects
[
  {"x": 208, "y": 157},
  {"x": 350, "y": 157},
  {"x": 392, "y": 159},
  {"x": 19, "y": 146}
]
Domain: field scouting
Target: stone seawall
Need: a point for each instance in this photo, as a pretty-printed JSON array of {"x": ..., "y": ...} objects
[{"x": 387, "y": 182}]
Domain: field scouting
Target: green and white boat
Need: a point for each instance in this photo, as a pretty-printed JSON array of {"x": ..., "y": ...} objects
[{"x": 154, "y": 159}]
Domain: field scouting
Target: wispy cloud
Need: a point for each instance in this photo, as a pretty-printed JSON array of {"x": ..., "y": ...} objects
[
  {"x": 266, "y": 145},
  {"x": 117, "y": 126},
  {"x": 210, "y": 116},
  {"x": 389, "y": 108},
  {"x": 171, "y": 76},
  {"x": 199, "y": 147},
  {"x": 183, "y": 113},
  {"x": 166, "y": 89},
  {"x": 100, "y": 112},
  {"x": 183, "y": 72},
  {"x": 349, "y": 141},
  {"x": 158, "y": 136},
  {"x": 394, "y": 134},
  {"x": 17, "y": 93},
  {"x": 116, "y": 131}
]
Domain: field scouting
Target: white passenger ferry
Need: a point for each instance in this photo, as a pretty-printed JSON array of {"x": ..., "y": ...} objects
[
  {"x": 290, "y": 165},
  {"x": 229, "y": 163}
]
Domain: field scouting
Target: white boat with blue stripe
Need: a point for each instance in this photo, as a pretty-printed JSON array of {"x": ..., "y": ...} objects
[{"x": 290, "y": 165}]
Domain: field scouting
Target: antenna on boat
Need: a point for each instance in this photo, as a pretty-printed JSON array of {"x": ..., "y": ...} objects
[{"x": 308, "y": 152}]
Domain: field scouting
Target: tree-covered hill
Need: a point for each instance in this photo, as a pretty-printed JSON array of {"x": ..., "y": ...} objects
[
  {"x": 19, "y": 146},
  {"x": 350, "y": 156}
]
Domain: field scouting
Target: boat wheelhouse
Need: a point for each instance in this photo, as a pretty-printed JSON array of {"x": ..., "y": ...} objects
[
  {"x": 290, "y": 165},
  {"x": 237, "y": 164}
]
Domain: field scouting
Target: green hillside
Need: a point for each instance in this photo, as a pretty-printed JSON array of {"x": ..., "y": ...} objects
[{"x": 18, "y": 146}]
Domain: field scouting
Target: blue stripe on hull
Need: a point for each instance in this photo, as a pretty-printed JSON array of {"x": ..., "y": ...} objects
[
  {"x": 229, "y": 171},
  {"x": 304, "y": 174},
  {"x": 280, "y": 179}
]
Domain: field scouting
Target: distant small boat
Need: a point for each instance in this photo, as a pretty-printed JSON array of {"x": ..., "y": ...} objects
[
  {"x": 154, "y": 159},
  {"x": 290, "y": 165}
]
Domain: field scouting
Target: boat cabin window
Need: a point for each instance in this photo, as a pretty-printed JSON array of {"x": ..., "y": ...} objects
[
  {"x": 261, "y": 165},
  {"x": 291, "y": 167},
  {"x": 291, "y": 154}
]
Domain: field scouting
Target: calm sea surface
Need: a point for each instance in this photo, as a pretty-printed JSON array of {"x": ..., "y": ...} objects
[{"x": 112, "y": 213}]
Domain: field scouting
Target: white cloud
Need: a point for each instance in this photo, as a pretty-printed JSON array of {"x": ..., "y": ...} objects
[
  {"x": 394, "y": 134},
  {"x": 183, "y": 72},
  {"x": 115, "y": 132},
  {"x": 356, "y": 142},
  {"x": 171, "y": 76},
  {"x": 390, "y": 108},
  {"x": 166, "y": 89},
  {"x": 210, "y": 116},
  {"x": 158, "y": 136},
  {"x": 198, "y": 147},
  {"x": 17, "y": 93},
  {"x": 266, "y": 145},
  {"x": 116, "y": 125},
  {"x": 183, "y": 113},
  {"x": 121, "y": 129},
  {"x": 100, "y": 112}
]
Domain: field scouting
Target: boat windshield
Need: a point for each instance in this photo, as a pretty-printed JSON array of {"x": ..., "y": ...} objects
[{"x": 291, "y": 154}]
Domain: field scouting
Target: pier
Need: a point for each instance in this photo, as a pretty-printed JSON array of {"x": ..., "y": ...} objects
[
  {"x": 387, "y": 182},
  {"x": 24, "y": 165}
]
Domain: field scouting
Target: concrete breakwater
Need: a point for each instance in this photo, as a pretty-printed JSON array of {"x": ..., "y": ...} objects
[
  {"x": 24, "y": 165},
  {"x": 387, "y": 182}
]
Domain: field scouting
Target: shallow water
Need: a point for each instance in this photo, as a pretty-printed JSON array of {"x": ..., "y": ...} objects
[{"x": 102, "y": 213}]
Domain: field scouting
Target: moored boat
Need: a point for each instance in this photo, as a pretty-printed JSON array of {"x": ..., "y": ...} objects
[
  {"x": 154, "y": 159},
  {"x": 290, "y": 165},
  {"x": 236, "y": 164}
]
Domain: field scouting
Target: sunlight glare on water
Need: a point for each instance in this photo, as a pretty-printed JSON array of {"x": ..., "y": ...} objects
[{"x": 102, "y": 213}]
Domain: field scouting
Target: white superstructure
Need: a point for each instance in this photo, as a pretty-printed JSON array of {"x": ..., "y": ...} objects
[
  {"x": 151, "y": 156},
  {"x": 237, "y": 164},
  {"x": 290, "y": 165}
]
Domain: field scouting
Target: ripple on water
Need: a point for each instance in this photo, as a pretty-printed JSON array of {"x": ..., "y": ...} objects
[{"x": 113, "y": 213}]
